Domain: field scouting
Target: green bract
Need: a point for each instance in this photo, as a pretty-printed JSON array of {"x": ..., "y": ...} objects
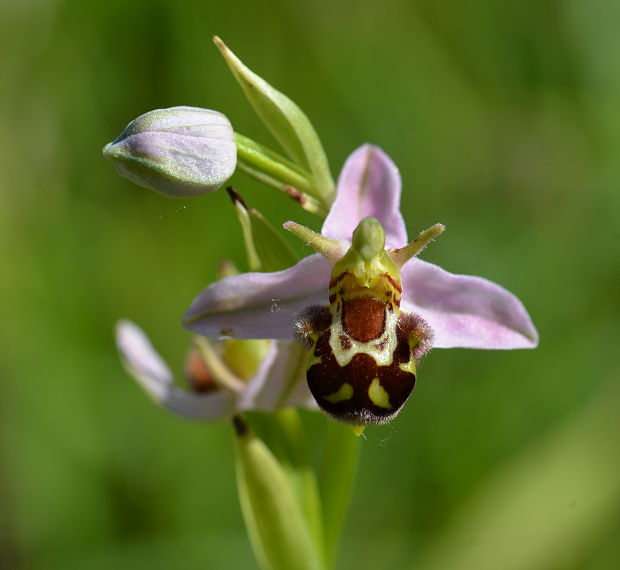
[
  {"x": 265, "y": 247},
  {"x": 286, "y": 121},
  {"x": 275, "y": 519}
]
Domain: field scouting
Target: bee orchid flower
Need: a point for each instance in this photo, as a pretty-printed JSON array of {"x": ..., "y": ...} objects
[
  {"x": 365, "y": 304},
  {"x": 222, "y": 380}
]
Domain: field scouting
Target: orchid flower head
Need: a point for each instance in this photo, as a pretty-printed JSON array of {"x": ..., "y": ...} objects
[{"x": 363, "y": 233}]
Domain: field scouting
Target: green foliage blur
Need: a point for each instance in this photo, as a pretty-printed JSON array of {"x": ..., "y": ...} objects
[{"x": 504, "y": 118}]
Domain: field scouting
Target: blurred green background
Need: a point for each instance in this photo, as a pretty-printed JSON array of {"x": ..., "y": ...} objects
[{"x": 504, "y": 118}]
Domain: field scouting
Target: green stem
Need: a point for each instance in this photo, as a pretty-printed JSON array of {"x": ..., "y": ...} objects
[
  {"x": 273, "y": 164},
  {"x": 336, "y": 479},
  {"x": 268, "y": 167}
]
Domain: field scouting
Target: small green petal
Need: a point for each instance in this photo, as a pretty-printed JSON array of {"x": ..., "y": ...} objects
[
  {"x": 331, "y": 249},
  {"x": 404, "y": 254}
]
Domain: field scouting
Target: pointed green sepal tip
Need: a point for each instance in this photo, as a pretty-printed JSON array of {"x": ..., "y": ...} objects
[
  {"x": 180, "y": 152},
  {"x": 286, "y": 121},
  {"x": 369, "y": 239}
]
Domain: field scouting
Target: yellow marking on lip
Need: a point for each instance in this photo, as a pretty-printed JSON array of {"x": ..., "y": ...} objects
[
  {"x": 313, "y": 359},
  {"x": 344, "y": 393},
  {"x": 378, "y": 395},
  {"x": 409, "y": 366}
]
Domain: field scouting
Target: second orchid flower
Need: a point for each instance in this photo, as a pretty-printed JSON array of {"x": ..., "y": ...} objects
[{"x": 454, "y": 310}]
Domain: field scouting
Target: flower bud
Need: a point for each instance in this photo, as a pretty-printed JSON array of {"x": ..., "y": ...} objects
[{"x": 181, "y": 152}]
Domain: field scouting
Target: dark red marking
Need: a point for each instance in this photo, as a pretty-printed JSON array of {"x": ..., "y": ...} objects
[
  {"x": 394, "y": 283},
  {"x": 340, "y": 277},
  {"x": 345, "y": 342},
  {"x": 381, "y": 345},
  {"x": 363, "y": 318}
]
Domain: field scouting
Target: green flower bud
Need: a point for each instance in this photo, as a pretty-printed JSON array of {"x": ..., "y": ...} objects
[{"x": 181, "y": 152}]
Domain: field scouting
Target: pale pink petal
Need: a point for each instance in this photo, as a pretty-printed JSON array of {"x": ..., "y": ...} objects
[
  {"x": 259, "y": 305},
  {"x": 466, "y": 311},
  {"x": 280, "y": 380},
  {"x": 369, "y": 185},
  {"x": 151, "y": 372}
]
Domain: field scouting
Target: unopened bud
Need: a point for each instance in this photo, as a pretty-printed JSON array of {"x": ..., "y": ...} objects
[{"x": 181, "y": 152}]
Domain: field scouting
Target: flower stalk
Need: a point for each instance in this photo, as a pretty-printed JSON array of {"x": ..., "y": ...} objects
[{"x": 268, "y": 167}]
